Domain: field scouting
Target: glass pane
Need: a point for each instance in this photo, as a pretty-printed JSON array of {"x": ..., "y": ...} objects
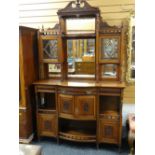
[
  {"x": 54, "y": 70},
  {"x": 109, "y": 48},
  {"x": 78, "y": 26},
  {"x": 109, "y": 71},
  {"x": 50, "y": 49},
  {"x": 81, "y": 57}
]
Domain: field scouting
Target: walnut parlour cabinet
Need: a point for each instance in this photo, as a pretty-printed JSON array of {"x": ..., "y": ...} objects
[{"x": 79, "y": 93}]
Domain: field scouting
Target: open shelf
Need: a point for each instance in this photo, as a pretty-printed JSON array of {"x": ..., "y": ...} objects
[
  {"x": 77, "y": 136},
  {"x": 109, "y": 105},
  {"x": 47, "y": 111},
  {"x": 83, "y": 131},
  {"x": 46, "y": 101}
]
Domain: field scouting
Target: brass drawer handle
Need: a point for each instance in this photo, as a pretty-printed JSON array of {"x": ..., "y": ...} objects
[{"x": 20, "y": 114}]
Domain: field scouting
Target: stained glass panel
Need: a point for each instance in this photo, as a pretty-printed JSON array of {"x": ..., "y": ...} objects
[
  {"x": 50, "y": 49},
  {"x": 109, "y": 48}
]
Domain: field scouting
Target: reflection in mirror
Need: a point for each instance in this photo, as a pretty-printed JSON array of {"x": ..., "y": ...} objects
[
  {"x": 54, "y": 70},
  {"x": 78, "y": 26},
  {"x": 50, "y": 49},
  {"x": 81, "y": 58},
  {"x": 109, "y": 71},
  {"x": 109, "y": 48}
]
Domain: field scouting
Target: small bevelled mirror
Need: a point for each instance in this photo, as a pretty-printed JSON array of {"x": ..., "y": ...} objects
[
  {"x": 109, "y": 71},
  {"x": 50, "y": 49},
  {"x": 80, "y": 26},
  {"x": 54, "y": 70},
  {"x": 110, "y": 48}
]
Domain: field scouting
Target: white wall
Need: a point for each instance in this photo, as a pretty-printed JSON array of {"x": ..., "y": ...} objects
[{"x": 35, "y": 13}]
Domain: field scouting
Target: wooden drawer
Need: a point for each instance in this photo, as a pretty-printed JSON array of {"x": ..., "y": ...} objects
[
  {"x": 44, "y": 88},
  {"x": 112, "y": 118},
  {"x": 66, "y": 104},
  {"x": 77, "y": 91},
  {"x": 47, "y": 125},
  {"x": 85, "y": 107},
  {"x": 108, "y": 91},
  {"x": 108, "y": 131}
]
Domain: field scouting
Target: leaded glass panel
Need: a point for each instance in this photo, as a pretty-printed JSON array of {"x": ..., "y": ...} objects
[
  {"x": 50, "y": 49},
  {"x": 109, "y": 48}
]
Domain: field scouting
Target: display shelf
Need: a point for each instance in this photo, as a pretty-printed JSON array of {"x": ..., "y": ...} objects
[
  {"x": 109, "y": 105},
  {"x": 82, "y": 136}
]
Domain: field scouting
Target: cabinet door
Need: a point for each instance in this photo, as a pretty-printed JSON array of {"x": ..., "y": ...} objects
[
  {"x": 85, "y": 107},
  {"x": 108, "y": 131},
  {"x": 47, "y": 125},
  {"x": 66, "y": 105}
]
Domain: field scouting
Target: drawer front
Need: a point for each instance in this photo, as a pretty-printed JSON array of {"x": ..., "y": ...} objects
[
  {"x": 112, "y": 118},
  {"x": 66, "y": 104},
  {"x": 112, "y": 91},
  {"x": 85, "y": 106},
  {"x": 108, "y": 132},
  {"x": 77, "y": 91},
  {"x": 47, "y": 125},
  {"x": 45, "y": 89}
]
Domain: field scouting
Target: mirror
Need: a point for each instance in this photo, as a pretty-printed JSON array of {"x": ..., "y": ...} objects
[
  {"x": 130, "y": 75},
  {"x": 80, "y": 26},
  {"x": 109, "y": 71},
  {"x": 54, "y": 70},
  {"x": 81, "y": 58}
]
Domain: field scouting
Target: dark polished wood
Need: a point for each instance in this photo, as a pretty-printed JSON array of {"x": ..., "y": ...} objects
[
  {"x": 85, "y": 109},
  {"x": 28, "y": 73}
]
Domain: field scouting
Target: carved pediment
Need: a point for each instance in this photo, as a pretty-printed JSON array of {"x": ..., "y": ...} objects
[{"x": 78, "y": 8}]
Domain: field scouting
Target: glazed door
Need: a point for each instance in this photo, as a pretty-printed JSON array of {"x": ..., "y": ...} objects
[
  {"x": 85, "y": 107},
  {"x": 109, "y": 57}
]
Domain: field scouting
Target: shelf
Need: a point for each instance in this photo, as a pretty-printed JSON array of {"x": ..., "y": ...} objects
[
  {"x": 109, "y": 112},
  {"x": 78, "y": 135},
  {"x": 46, "y": 111}
]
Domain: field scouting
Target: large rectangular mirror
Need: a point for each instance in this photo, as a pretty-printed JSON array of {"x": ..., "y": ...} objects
[
  {"x": 81, "y": 58},
  {"x": 80, "y": 26}
]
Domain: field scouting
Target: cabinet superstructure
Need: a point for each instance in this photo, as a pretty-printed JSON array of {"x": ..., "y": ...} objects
[{"x": 79, "y": 94}]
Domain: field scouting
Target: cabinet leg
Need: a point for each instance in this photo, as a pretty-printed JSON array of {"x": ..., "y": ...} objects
[
  {"x": 119, "y": 148},
  {"x": 38, "y": 138},
  {"x": 57, "y": 140},
  {"x": 97, "y": 146}
]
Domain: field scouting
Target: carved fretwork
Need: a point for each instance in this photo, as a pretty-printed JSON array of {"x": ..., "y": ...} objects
[
  {"x": 86, "y": 107},
  {"x": 47, "y": 125},
  {"x": 66, "y": 106},
  {"x": 108, "y": 130},
  {"x": 78, "y": 8}
]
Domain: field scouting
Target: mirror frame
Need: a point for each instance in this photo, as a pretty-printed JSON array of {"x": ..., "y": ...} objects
[{"x": 129, "y": 80}]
